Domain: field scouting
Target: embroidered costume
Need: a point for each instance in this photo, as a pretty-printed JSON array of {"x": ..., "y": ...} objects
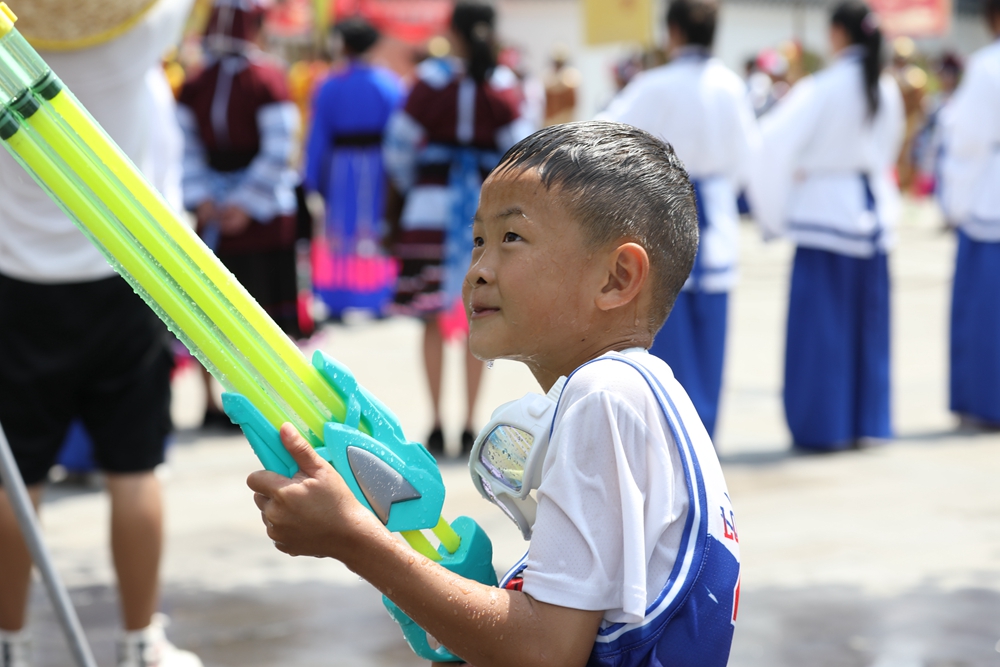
[
  {"x": 450, "y": 134},
  {"x": 240, "y": 129}
]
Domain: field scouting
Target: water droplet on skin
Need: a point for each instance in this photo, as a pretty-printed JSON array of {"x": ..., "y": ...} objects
[{"x": 412, "y": 559}]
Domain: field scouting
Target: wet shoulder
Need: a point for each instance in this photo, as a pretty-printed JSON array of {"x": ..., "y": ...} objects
[{"x": 611, "y": 376}]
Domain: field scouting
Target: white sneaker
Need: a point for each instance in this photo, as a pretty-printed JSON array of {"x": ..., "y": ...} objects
[
  {"x": 151, "y": 648},
  {"x": 14, "y": 649}
]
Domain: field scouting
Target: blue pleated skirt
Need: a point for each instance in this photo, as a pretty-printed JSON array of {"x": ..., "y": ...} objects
[
  {"x": 837, "y": 353},
  {"x": 693, "y": 343},
  {"x": 975, "y": 330}
]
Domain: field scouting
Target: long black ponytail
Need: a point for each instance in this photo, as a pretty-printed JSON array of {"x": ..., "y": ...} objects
[
  {"x": 473, "y": 22},
  {"x": 861, "y": 25}
]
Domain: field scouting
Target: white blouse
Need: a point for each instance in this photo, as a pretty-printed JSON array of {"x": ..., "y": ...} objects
[
  {"x": 970, "y": 170},
  {"x": 818, "y": 146},
  {"x": 700, "y": 107}
]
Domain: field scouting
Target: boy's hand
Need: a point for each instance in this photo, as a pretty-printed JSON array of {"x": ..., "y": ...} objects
[{"x": 314, "y": 513}]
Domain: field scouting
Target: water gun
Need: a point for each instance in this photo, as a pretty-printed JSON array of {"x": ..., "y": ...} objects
[{"x": 268, "y": 381}]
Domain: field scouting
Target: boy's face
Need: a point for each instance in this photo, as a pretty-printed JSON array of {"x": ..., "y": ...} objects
[{"x": 529, "y": 293}]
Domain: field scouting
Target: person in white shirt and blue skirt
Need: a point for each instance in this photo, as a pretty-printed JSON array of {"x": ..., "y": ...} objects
[
  {"x": 971, "y": 199},
  {"x": 823, "y": 178}
]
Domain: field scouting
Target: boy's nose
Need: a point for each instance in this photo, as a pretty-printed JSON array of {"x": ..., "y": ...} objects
[{"x": 479, "y": 274}]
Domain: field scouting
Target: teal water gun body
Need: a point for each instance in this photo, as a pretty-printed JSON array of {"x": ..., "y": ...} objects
[{"x": 398, "y": 480}]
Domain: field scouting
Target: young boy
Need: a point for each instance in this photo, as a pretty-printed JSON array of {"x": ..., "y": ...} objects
[{"x": 585, "y": 234}]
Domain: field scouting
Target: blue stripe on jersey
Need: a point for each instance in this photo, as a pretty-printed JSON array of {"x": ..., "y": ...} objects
[{"x": 680, "y": 580}]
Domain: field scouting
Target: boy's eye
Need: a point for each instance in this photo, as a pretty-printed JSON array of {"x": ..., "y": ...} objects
[
  {"x": 477, "y": 242},
  {"x": 510, "y": 237}
]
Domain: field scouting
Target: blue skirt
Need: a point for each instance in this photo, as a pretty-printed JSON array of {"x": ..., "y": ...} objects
[
  {"x": 975, "y": 330},
  {"x": 837, "y": 351},
  {"x": 693, "y": 343}
]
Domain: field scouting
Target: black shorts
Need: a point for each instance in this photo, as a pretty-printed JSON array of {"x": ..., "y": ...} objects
[{"x": 91, "y": 350}]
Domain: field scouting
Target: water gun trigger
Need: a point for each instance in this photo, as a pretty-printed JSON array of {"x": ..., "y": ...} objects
[{"x": 263, "y": 438}]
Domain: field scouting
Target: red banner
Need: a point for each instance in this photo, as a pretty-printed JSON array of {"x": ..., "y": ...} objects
[
  {"x": 413, "y": 21},
  {"x": 290, "y": 18},
  {"x": 914, "y": 18}
]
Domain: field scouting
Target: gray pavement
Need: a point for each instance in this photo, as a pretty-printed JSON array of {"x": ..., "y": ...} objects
[{"x": 886, "y": 557}]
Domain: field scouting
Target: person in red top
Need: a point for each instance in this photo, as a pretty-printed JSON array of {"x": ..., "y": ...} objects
[
  {"x": 240, "y": 128},
  {"x": 460, "y": 118}
]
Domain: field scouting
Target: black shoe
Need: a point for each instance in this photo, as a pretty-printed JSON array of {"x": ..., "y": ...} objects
[
  {"x": 468, "y": 442},
  {"x": 435, "y": 442}
]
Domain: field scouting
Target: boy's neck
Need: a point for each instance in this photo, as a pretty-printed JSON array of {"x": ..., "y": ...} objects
[{"x": 547, "y": 371}]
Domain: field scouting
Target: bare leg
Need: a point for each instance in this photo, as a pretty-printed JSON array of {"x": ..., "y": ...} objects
[
  {"x": 136, "y": 544},
  {"x": 473, "y": 380},
  {"x": 15, "y": 564},
  {"x": 433, "y": 361}
]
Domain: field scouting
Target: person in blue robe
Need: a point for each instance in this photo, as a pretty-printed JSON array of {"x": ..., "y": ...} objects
[{"x": 344, "y": 165}]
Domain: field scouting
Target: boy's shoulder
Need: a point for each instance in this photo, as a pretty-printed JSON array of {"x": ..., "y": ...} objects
[
  {"x": 630, "y": 377},
  {"x": 633, "y": 381}
]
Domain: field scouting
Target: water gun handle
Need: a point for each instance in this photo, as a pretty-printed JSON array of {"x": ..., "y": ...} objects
[{"x": 397, "y": 480}]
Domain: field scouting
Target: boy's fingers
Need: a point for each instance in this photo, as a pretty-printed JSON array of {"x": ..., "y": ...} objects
[
  {"x": 310, "y": 463},
  {"x": 266, "y": 482},
  {"x": 261, "y": 501}
]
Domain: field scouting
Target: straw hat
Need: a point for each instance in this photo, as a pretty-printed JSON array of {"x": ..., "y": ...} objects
[{"x": 63, "y": 25}]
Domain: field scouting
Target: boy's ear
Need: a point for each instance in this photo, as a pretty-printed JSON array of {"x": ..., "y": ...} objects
[{"x": 628, "y": 271}]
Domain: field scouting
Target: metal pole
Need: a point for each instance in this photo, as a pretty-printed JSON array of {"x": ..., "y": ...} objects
[{"x": 25, "y": 512}]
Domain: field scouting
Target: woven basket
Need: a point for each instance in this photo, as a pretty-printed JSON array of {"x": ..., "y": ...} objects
[{"x": 63, "y": 25}]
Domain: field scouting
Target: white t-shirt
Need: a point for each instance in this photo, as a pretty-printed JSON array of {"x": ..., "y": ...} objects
[
  {"x": 613, "y": 499},
  {"x": 121, "y": 84}
]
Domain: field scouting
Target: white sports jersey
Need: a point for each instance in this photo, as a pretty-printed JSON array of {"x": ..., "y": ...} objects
[
  {"x": 823, "y": 174},
  {"x": 970, "y": 171},
  {"x": 634, "y": 518},
  {"x": 700, "y": 107}
]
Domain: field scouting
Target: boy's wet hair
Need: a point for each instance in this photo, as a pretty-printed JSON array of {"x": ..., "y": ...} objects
[{"x": 622, "y": 184}]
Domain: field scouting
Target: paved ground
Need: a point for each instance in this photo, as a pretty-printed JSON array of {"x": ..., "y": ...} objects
[{"x": 887, "y": 557}]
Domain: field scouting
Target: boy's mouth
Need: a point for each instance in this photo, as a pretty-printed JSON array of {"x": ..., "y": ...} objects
[{"x": 480, "y": 310}]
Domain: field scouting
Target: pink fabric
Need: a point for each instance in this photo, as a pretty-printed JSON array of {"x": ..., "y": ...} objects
[
  {"x": 351, "y": 272},
  {"x": 453, "y": 322}
]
